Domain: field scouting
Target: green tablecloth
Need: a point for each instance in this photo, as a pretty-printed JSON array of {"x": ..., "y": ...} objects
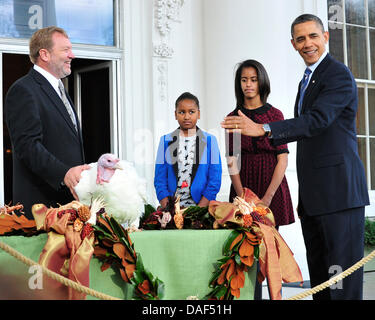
[{"x": 182, "y": 259}]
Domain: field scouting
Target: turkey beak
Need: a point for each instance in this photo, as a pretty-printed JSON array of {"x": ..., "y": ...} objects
[{"x": 118, "y": 166}]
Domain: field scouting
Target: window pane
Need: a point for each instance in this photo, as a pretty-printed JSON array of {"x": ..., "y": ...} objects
[
  {"x": 85, "y": 21},
  {"x": 361, "y": 115},
  {"x": 372, "y": 156},
  {"x": 372, "y": 53},
  {"x": 356, "y": 44},
  {"x": 355, "y": 12},
  {"x": 371, "y": 113},
  {"x": 371, "y": 12},
  {"x": 336, "y": 45},
  {"x": 362, "y": 152},
  {"x": 95, "y": 26},
  {"x": 331, "y": 3}
]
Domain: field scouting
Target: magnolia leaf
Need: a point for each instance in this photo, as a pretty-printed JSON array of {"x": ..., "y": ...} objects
[
  {"x": 224, "y": 260},
  {"x": 149, "y": 209},
  {"x": 190, "y": 210},
  {"x": 110, "y": 254},
  {"x": 213, "y": 293},
  {"x": 125, "y": 241},
  {"x": 221, "y": 292},
  {"x": 103, "y": 230},
  {"x": 117, "y": 228},
  {"x": 137, "y": 277},
  {"x": 104, "y": 224},
  {"x": 237, "y": 258},
  {"x": 214, "y": 277},
  {"x": 119, "y": 250},
  {"x": 234, "y": 234},
  {"x": 139, "y": 263},
  {"x": 149, "y": 296},
  {"x": 256, "y": 252},
  {"x": 236, "y": 243},
  {"x": 159, "y": 289},
  {"x": 150, "y": 277}
]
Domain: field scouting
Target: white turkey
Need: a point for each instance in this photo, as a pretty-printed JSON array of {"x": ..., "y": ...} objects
[{"x": 118, "y": 184}]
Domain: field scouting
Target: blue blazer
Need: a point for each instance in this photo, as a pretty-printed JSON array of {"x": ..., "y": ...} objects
[
  {"x": 330, "y": 173},
  {"x": 207, "y": 170}
]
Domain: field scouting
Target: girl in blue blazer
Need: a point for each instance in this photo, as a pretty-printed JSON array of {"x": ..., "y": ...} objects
[{"x": 188, "y": 161}]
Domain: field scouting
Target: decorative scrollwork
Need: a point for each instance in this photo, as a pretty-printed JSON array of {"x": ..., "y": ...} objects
[
  {"x": 166, "y": 12},
  {"x": 163, "y": 50}
]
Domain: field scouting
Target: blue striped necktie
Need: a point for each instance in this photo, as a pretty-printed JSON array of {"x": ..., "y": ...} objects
[{"x": 305, "y": 81}]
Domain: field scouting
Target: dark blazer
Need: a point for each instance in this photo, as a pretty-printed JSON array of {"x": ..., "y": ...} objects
[
  {"x": 206, "y": 171},
  {"x": 44, "y": 142},
  {"x": 330, "y": 173}
]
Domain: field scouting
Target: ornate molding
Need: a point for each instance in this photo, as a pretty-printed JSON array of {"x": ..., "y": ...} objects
[
  {"x": 162, "y": 79},
  {"x": 163, "y": 50},
  {"x": 167, "y": 12}
]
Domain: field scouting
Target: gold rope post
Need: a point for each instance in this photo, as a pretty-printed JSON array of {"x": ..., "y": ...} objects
[
  {"x": 56, "y": 276},
  {"x": 334, "y": 279}
]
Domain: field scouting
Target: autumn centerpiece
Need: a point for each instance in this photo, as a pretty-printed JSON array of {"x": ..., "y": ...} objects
[
  {"x": 115, "y": 248},
  {"x": 12, "y": 223},
  {"x": 90, "y": 230}
]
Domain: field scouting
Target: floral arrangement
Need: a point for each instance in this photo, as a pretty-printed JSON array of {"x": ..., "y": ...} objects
[
  {"x": 239, "y": 250},
  {"x": 12, "y": 224},
  {"x": 115, "y": 248},
  {"x": 241, "y": 247},
  {"x": 174, "y": 217},
  {"x": 251, "y": 221}
]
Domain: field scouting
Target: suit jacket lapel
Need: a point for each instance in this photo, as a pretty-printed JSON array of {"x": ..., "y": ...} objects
[
  {"x": 200, "y": 146},
  {"x": 296, "y": 115},
  {"x": 173, "y": 150},
  {"x": 315, "y": 77},
  {"x": 53, "y": 96}
]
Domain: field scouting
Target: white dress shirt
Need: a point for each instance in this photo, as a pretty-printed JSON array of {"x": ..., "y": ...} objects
[
  {"x": 315, "y": 65},
  {"x": 50, "y": 78}
]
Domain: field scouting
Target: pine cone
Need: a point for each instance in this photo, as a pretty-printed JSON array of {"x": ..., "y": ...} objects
[
  {"x": 78, "y": 225},
  {"x": 84, "y": 213}
]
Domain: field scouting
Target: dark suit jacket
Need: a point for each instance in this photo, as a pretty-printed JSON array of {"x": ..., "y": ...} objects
[
  {"x": 330, "y": 173},
  {"x": 44, "y": 141}
]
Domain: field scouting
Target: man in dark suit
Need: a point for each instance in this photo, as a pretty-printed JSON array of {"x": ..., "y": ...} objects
[
  {"x": 48, "y": 155},
  {"x": 332, "y": 184}
]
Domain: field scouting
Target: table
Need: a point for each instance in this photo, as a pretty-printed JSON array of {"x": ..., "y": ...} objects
[{"x": 183, "y": 259}]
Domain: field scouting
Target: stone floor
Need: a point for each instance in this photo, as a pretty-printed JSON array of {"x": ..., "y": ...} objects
[{"x": 290, "y": 291}]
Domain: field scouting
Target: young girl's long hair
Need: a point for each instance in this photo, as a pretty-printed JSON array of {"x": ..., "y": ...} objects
[{"x": 263, "y": 82}]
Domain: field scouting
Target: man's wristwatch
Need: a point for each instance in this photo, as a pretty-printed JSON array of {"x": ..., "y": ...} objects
[{"x": 267, "y": 129}]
